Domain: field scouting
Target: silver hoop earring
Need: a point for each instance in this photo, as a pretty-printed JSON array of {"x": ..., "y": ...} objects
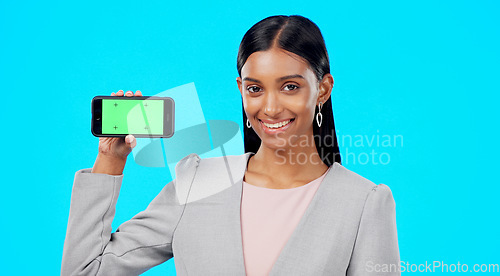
[
  {"x": 248, "y": 124},
  {"x": 319, "y": 116}
]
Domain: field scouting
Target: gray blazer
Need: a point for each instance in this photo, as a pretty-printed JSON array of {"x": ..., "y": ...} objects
[{"x": 349, "y": 228}]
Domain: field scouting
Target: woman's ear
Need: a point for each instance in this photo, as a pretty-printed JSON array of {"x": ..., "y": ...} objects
[
  {"x": 325, "y": 88},
  {"x": 238, "y": 81}
]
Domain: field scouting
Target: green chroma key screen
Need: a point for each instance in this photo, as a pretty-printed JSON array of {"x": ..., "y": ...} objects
[{"x": 132, "y": 116}]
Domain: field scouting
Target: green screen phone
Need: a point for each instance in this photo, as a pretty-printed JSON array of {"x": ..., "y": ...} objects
[{"x": 144, "y": 116}]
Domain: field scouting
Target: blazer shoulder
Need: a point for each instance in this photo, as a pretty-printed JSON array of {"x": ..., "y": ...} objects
[
  {"x": 352, "y": 179},
  {"x": 357, "y": 184},
  {"x": 211, "y": 166},
  {"x": 229, "y": 168},
  {"x": 202, "y": 177}
]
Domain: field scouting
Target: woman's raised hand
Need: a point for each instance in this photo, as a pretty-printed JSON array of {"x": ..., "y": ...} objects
[{"x": 113, "y": 151}]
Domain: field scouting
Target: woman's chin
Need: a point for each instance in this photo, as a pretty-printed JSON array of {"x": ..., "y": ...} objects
[{"x": 276, "y": 143}]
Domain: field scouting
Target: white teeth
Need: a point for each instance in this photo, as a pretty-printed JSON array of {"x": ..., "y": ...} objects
[{"x": 277, "y": 125}]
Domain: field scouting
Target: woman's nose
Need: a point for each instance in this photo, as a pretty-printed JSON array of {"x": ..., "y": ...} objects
[{"x": 272, "y": 105}]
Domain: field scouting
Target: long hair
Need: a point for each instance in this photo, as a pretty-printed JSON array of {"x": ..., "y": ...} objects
[{"x": 298, "y": 35}]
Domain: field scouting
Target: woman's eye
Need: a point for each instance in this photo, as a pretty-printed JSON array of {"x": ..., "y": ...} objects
[
  {"x": 253, "y": 89},
  {"x": 290, "y": 87}
]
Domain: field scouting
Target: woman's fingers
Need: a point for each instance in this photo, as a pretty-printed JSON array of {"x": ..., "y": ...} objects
[
  {"x": 130, "y": 140},
  {"x": 129, "y": 93},
  {"x": 133, "y": 144}
]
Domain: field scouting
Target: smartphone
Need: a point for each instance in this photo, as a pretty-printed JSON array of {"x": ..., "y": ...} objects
[{"x": 143, "y": 117}]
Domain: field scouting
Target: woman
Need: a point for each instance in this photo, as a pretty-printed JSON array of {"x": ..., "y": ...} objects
[{"x": 285, "y": 207}]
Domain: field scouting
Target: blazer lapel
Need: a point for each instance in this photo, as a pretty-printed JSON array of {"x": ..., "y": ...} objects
[{"x": 322, "y": 242}]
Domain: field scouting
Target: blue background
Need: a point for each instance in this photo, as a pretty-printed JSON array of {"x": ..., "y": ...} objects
[{"x": 426, "y": 70}]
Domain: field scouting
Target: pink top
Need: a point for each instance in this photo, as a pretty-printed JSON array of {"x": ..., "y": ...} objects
[{"x": 268, "y": 219}]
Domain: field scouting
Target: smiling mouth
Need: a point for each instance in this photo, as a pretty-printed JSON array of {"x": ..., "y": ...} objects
[{"x": 278, "y": 125}]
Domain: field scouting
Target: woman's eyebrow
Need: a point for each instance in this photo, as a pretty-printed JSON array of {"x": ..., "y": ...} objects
[
  {"x": 251, "y": 79},
  {"x": 277, "y": 80},
  {"x": 289, "y": 77}
]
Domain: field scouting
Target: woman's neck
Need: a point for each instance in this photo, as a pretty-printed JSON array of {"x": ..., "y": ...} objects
[{"x": 300, "y": 163}]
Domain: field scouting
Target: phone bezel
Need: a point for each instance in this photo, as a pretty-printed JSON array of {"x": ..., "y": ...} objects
[{"x": 168, "y": 119}]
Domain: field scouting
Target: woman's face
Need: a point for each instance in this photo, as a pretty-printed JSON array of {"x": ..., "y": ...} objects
[{"x": 280, "y": 92}]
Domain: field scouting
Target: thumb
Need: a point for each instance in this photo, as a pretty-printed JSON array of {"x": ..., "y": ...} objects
[{"x": 130, "y": 141}]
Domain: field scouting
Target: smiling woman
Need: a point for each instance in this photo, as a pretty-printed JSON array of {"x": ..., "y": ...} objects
[{"x": 285, "y": 207}]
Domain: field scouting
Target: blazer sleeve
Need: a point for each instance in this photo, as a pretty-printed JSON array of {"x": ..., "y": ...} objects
[
  {"x": 376, "y": 250},
  {"x": 137, "y": 245}
]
